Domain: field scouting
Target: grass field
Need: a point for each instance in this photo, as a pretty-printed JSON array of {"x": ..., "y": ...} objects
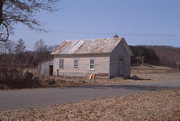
[{"x": 156, "y": 73}]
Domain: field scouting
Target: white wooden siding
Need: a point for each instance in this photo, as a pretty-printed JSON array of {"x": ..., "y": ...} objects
[
  {"x": 120, "y": 51},
  {"x": 101, "y": 66},
  {"x": 43, "y": 68}
]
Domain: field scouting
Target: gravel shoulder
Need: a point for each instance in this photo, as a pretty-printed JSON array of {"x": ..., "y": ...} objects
[{"x": 151, "y": 106}]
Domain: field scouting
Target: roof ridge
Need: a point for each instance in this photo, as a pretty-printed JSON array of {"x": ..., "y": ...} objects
[{"x": 93, "y": 39}]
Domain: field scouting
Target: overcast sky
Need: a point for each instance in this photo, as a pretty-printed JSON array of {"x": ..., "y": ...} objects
[{"x": 140, "y": 22}]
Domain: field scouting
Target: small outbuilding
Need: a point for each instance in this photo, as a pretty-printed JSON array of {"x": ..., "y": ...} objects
[
  {"x": 45, "y": 68},
  {"x": 110, "y": 57}
]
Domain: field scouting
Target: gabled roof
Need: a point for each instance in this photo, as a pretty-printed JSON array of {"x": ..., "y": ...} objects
[
  {"x": 127, "y": 48},
  {"x": 91, "y": 46}
]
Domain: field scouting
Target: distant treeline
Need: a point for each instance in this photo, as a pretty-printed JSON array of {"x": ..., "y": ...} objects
[
  {"x": 15, "y": 54},
  {"x": 15, "y": 60},
  {"x": 156, "y": 55},
  {"x": 168, "y": 55}
]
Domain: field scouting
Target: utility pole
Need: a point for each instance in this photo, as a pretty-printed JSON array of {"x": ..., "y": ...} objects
[
  {"x": 178, "y": 64},
  {"x": 138, "y": 58},
  {"x": 142, "y": 57}
]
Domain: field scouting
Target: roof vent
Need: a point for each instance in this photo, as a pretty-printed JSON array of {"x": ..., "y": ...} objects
[{"x": 115, "y": 36}]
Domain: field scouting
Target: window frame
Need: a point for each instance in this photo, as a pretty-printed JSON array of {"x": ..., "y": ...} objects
[
  {"x": 76, "y": 65},
  {"x": 92, "y": 64},
  {"x": 61, "y": 63}
]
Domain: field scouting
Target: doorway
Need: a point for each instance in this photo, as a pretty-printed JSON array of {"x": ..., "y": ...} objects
[
  {"x": 51, "y": 70},
  {"x": 120, "y": 66}
]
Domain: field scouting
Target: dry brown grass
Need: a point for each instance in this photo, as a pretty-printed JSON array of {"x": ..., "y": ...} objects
[
  {"x": 151, "y": 106},
  {"x": 156, "y": 73},
  {"x": 145, "y": 73}
]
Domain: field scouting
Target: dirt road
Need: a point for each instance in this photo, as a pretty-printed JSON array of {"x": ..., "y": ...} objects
[{"x": 26, "y": 98}]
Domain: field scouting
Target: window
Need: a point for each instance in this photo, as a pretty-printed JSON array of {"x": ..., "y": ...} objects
[
  {"x": 91, "y": 64},
  {"x": 75, "y": 63},
  {"x": 61, "y": 63}
]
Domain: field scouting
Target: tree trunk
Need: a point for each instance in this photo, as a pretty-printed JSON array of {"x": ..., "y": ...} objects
[{"x": 1, "y": 11}]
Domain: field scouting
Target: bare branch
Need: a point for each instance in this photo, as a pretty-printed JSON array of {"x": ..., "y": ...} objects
[
  {"x": 4, "y": 33},
  {"x": 20, "y": 11}
]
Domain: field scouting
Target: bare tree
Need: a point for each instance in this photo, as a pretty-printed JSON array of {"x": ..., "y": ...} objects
[
  {"x": 7, "y": 47},
  {"x": 2, "y": 48},
  {"x": 20, "y": 46},
  {"x": 21, "y": 11},
  {"x": 41, "y": 51},
  {"x": 10, "y": 47},
  {"x": 40, "y": 46}
]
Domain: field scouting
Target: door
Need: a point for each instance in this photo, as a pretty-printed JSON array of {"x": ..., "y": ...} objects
[
  {"x": 50, "y": 70},
  {"x": 120, "y": 66}
]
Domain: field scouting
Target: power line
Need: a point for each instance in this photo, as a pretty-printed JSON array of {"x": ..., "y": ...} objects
[
  {"x": 72, "y": 32},
  {"x": 121, "y": 34}
]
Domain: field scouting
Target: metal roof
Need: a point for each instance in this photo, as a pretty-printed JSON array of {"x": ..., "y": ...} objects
[{"x": 91, "y": 46}]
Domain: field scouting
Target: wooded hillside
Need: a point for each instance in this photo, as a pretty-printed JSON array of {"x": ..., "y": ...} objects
[
  {"x": 168, "y": 55},
  {"x": 156, "y": 55}
]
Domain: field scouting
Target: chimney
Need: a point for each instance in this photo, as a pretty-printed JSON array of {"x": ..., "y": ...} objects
[{"x": 115, "y": 36}]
